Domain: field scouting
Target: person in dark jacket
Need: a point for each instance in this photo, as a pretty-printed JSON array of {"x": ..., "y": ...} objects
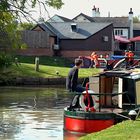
[{"x": 72, "y": 79}]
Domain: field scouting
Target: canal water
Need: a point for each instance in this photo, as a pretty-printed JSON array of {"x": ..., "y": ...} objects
[{"x": 33, "y": 113}]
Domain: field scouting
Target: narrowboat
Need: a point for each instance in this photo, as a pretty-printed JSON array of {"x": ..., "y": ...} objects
[{"x": 110, "y": 98}]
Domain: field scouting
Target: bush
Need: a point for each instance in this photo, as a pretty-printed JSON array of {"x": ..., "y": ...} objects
[{"x": 5, "y": 60}]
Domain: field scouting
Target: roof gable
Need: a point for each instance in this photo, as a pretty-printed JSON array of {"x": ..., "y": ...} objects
[
  {"x": 82, "y": 16},
  {"x": 46, "y": 28},
  {"x": 57, "y": 18}
]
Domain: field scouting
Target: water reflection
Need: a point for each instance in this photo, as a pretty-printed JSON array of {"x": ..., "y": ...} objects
[
  {"x": 72, "y": 136},
  {"x": 33, "y": 113}
]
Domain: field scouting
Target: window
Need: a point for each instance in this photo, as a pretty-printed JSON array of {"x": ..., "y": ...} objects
[
  {"x": 118, "y": 32},
  {"x": 121, "y": 32},
  {"x": 105, "y": 38}
]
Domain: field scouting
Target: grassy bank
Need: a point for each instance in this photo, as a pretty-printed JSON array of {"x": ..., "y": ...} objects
[
  {"x": 46, "y": 60},
  {"x": 127, "y": 130},
  {"x": 28, "y": 70},
  {"x": 50, "y": 67}
]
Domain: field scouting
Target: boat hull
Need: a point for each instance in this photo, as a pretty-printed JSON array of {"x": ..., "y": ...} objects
[{"x": 87, "y": 122}]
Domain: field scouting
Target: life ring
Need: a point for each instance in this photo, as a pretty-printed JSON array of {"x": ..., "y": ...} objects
[{"x": 95, "y": 100}]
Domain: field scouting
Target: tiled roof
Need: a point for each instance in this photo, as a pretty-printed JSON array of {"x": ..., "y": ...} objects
[
  {"x": 65, "y": 19},
  {"x": 117, "y": 21},
  {"x": 84, "y": 30}
]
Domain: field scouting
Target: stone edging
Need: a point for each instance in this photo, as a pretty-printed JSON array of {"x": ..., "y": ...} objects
[{"x": 37, "y": 81}]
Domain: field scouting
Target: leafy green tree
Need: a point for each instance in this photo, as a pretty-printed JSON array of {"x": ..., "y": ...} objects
[
  {"x": 25, "y": 26},
  {"x": 5, "y": 60},
  {"x": 24, "y": 8},
  {"x": 136, "y": 19},
  {"x": 8, "y": 26},
  {"x": 11, "y": 13}
]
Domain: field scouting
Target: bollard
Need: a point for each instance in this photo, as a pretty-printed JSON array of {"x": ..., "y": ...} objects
[
  {"x": 36, "y": 63},
  {"x": 16, "y": 61}
]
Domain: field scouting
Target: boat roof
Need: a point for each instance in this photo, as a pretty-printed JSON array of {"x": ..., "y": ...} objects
[
  {"x": 116, "y": 73},
  {"x": 129, "y": 74}
]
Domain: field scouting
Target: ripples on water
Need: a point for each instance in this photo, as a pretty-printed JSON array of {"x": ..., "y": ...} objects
[{"x": 33, "y": 113}]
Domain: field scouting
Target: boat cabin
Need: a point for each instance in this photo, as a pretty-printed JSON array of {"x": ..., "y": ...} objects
[
  {"x": 120, "y": 88},
  {"x": 114, "y": 96}
]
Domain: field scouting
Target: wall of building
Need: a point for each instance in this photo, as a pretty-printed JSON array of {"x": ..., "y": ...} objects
[
  {"x": 69, "y": 48},
  {"x": 35, "y": 52},
  {"x": 94, "y": 43},
  {"x": 121, "y": 32},
  {"x": 74, "y": 54},
  {"x": 37, "y": 29},
  {"x": 36, "y": 39},
  {"x": 136, "y": 33}
]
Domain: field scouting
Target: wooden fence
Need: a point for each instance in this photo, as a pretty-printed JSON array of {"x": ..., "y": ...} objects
[{"x": 36, "y": 39}]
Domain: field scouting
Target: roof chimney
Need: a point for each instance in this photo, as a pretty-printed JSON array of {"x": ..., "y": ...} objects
[
  {"x": 94, "y": 8},
  {"x": 130, "y": 18},
  {"x": 95, "y": 12},
  {"x": 73, "y": 27},
  {"x": 130, "y": 14},
  {"x": 108, "y": 14}
]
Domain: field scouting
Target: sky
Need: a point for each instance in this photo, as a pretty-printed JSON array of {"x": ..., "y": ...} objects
[{"x": 116, "y": 8}]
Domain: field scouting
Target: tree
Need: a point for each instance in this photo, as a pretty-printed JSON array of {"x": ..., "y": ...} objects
[
  {"x": 24, "y": 8},
  {"x": 8, "y": 30},
  {"x": 11, "y": 12},
  {"x": 25, "y": 26},
  {"x": 136, "y": 19}
]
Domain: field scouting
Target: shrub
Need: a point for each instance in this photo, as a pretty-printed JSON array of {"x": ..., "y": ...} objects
[{"x": 5, "y": 60}]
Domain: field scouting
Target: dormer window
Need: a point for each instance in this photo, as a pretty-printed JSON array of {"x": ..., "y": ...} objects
[{"x": 73, "y": 27}]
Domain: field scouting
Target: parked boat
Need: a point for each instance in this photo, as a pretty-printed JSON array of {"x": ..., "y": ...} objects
[{"x": 93, "y": 111}]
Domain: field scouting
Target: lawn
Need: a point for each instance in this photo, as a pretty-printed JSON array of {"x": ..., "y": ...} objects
[
  {"x": 50, "y": 67},
  {"x": 127, "y": 130},
  {"x": 28, "y": 70},
  {"x": 46, "y": 60}
]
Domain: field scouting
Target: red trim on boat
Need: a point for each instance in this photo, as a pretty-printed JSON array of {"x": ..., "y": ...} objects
[{"x": 86, "y": 126}]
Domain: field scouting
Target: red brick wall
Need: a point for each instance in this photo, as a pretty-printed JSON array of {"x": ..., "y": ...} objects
[
  {"x": 50, "y": 52},
  {"x": 82, "y": 53},
  {"x": 36, "y": 52}
]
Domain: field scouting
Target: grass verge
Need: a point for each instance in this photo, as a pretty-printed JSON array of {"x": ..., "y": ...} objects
[
  {"x": 45, "y": 71},
  {"x": 127, "y": 130},
  {"x": 50, "y": 67}
]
